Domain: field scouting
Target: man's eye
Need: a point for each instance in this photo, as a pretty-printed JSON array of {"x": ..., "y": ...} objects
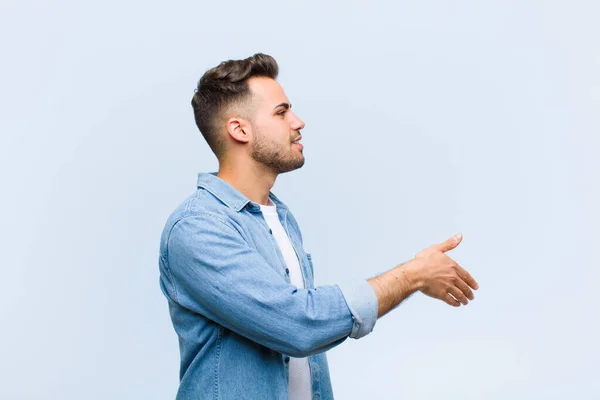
[{"x": 282, "y": 113}]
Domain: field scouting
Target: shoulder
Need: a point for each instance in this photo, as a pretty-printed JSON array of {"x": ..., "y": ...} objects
[{"x": 200, "y": 210}]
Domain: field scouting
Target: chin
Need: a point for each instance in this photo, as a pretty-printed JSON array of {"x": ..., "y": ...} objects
[{"x": 292, "y": 167}]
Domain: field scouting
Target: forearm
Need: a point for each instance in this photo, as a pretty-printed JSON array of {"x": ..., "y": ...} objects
[{"x": 394, "y": 286}]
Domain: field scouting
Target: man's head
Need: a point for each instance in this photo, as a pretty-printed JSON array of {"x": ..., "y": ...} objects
[{"x": 242, "y": 111}]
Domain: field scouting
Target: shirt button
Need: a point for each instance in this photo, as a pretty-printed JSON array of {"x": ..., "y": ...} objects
[
  {"x": 271, "y": 231},
  {"x": 287, "y": 270},
  {"x": 287, "y": 359}
]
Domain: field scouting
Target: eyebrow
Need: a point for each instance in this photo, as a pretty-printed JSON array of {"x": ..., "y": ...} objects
[{"x": 287, "y": 106}]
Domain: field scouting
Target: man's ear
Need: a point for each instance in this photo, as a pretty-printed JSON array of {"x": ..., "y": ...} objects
[{"x": 239, "y": 129}]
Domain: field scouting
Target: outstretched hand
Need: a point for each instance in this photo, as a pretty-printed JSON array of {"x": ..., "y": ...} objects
[{"x": 441, "y": 277}]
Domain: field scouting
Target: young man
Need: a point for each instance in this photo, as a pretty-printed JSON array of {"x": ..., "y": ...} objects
[{"x": 251, "y": 323}]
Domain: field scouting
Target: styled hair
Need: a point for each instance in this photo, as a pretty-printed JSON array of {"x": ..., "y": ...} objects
[{"x": 225, "y": 88}]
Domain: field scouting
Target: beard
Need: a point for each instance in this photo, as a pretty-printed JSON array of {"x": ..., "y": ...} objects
[{"x": 278, "y": 158}]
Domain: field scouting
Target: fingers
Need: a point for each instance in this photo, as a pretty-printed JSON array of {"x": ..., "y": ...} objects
[
  {"x": 464, "y": 288},
  {"x": 450, "y": 243},
  {"x": 458, "y": 295},
  {"x": 461, "y": 293},
  {"x": 450, "y": 300},
  {"x": 465, "y": 276}
]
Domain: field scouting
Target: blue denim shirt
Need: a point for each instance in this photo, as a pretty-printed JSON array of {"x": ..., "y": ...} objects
[{"x": 237, "y": 316}]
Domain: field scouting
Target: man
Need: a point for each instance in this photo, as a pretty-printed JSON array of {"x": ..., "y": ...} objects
[{"x": 251, "y": 323}]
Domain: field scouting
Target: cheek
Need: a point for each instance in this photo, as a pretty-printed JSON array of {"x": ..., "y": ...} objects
[{"x": 275, "y": 131}]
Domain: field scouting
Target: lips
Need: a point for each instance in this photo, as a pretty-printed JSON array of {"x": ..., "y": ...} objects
[{"x": 297, "y": 141}]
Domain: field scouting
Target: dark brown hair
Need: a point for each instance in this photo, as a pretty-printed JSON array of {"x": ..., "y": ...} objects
[{"x": 223, "y": 87}]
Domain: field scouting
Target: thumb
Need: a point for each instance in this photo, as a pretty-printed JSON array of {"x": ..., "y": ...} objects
[{"x": 450, "y": 243}]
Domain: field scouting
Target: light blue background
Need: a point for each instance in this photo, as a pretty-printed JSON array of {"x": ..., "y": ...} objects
[{"x": 423, "y": 119}]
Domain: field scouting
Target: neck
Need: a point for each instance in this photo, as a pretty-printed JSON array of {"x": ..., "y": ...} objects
[{"x": 251, "y": 179}]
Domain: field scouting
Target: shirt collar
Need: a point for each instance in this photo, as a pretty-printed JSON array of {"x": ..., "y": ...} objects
[{"x": 229, "y": 195}]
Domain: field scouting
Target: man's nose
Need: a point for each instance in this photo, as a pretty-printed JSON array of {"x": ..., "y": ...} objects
[{"x": 297, "y": 124}]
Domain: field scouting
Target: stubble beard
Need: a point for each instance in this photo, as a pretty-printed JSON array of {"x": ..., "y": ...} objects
[{"x": 277, "y": 159}]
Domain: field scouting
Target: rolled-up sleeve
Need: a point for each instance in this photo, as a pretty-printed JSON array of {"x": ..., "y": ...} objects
[
  {"x": 363, "y": 304},
  {"x": 214, "y": 272}
]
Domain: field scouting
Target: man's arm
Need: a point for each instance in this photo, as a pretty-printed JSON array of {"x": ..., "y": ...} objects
[
  {"x": 210, "y": 269},
  {"x": 432, "y": 272},
  {"x": 392, "y": 288}
]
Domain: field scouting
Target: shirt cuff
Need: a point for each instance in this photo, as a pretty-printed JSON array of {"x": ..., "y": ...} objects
[{"x": 364, "y": 306}]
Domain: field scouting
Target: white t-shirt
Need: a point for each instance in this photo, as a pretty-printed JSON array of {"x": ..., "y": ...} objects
[{"x": 299, "y": 384}]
